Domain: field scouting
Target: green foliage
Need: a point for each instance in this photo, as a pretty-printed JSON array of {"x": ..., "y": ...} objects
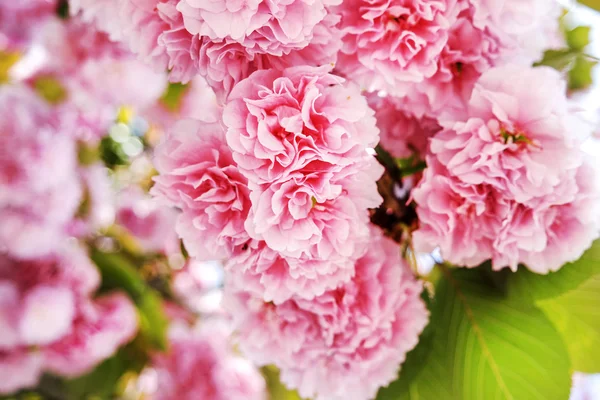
[
  {"x": 576, "y": 315},
  {"x": 276, "y": 389},
  {"x": 111, "y": 152},
  {"x": 487, "y": 344},
  {"x": 529, "y": 285},
  {"x": 119, "y": 273},
  {"x": 595, "y": 4},
  {"x": 51, "y": 89},
  {"x": 173, "y": 96},
  {"x": 573, "y": 60}
]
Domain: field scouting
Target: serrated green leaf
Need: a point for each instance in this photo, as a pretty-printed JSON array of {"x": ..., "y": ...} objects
[
  {"x": 118, "y": 273},
  {"x": 580, "y": 75},
  {"x": 529, "y": 285},
  {"x": 560, "y": 60},
  {"x": 578, "y": 38},
  {"x": 576, "y": 315},
  {"x": 276, "y": 389}
]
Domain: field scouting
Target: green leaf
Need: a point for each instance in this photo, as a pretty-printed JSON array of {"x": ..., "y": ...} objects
[
  {"x": 422, "y": 376},
  {"x": 527, "y": 284},
  {"x": 576, "y": 315},
  {"x": 487, "y": 345},
  {"x": 173, "y": 96},
  {"x": 578, "y": 38},
  {"x": 101, "y": 382},
  {"x": 497, "y": 347},
  {"x": 118, "y": 273},
  {"x": 580, "y": 76},
  {"x": 595, "y": 4},
  {"x": 276, "y": 389},
  {"x": 560, "y": 60}
]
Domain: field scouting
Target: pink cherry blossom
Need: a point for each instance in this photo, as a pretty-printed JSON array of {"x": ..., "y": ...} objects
[
  {"x": 319, "y": 232},
  {"x": 152, "y": 225},
  {"x": 472, "y": 223},
  {"x": 198, "y": 101},
  {"x": 49, "y": 320},
  {"x": 390, "y": 44},
  {"x": 101, "y": 13},
  {"x": 501, "y": 180},
  {"x": 19, "y": 369},
  {"x": 346, "y": 343},
  {"x": 201, "y": 365},
  {"x": 199, "y": 176},
  {"x": 297, "y": 120},
  {"x": 516, "y": 139},
  {"x": 40, "y": 191},
  {"x": 99, "y": 329},
  {"x": 402, "y": 134}
]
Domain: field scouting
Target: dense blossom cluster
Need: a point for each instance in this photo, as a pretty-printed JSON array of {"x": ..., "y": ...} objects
[
  {"x": 201, "y": 365},
  {"x": 276, "y": 126},
  {"x": 51, "y": 323}
]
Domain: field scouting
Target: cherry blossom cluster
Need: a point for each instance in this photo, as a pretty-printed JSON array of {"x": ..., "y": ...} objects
[{"x": 268, "y": 166}]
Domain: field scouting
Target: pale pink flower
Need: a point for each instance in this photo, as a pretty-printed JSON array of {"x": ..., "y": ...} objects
[
  {"x": 388, "y": 45},
  {"x": 198, "y": 175},
  {"x": 297, "y": 120},
  {"x": 274, "y": 27},
  {"x": 472, "y": 223},
  {"x": 40, "y": 191},
  {"x": 198, "y": 101},
  {"x": 402, "y": 134},
  {"x": 100, "y": 327},
  {"x": 104, "y": 14},
  {"x": 346, "y": 343},
  {"x": 19, "y": 21},
  {"x": 524, "y": 27},
  {"x": 317, "y": 224},
  {"x": 237, "y": 39},
  {"x": 152, "y": 225},
  {"x": 19, "y": 369},
  {"x": 49, "y": 321},
  {"x": 461, "y": 219},
  {"x": 518, "y": 136},
  {"x": 201, "y": 365},
  {"x": 40, "y": 296}
]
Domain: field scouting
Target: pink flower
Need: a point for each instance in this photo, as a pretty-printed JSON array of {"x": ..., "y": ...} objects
[
  {"x": 199, "y": 176},
  {"x": 99, "y": 329},
  {"x": 402, "y": 134},
  {"x": 200, "y": 365},
  {"x": 296, "y": 120},
  {"x": 346, "y": 343},
  {"x": 317, "y": 231},
  {"x": 519, "y": 136},
  {"x": 19, "y": 21},
  {"x": 40, "y": 191},
  {"x": 472, "y": 223},
  {"x": 102, "y": 13},
  {"x": 19, "y": 369},
  {"x": 527, "y": 28},
  {"x": 390, "y": 44},
  {"x": 237, "y": 39},
  {"x": 274, "y": 27},
  {"x": 152, "y": 225},
  {"x": 461, "y": 218},
  {"x": 49, "y": 321},
  {"x": 504, "y": 183},
  {"x": 197, "y": 101}
]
